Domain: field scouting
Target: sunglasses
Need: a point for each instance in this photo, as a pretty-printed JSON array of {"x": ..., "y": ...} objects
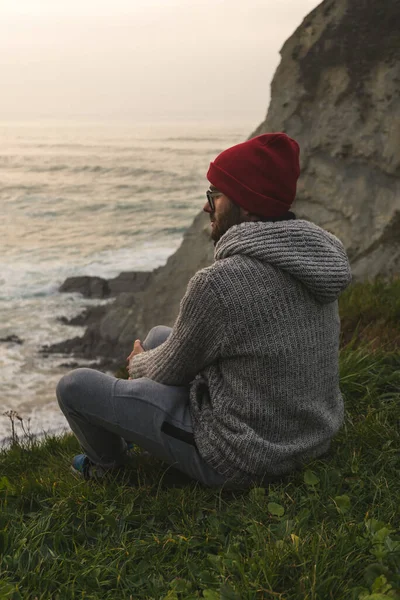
[{"x": 211, "y": 194}]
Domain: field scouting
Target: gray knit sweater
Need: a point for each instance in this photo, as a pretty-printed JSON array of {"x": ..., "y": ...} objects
[{"x": 257, "y": 340}]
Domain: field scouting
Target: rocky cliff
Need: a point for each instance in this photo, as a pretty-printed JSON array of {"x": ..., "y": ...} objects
[{"x": 337, "y": 91}]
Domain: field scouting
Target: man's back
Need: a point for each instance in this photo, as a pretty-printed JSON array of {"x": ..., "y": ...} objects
[{"x": 273, "y": 396}]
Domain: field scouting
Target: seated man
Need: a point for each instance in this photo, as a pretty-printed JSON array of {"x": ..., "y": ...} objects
[{"x": 245, "y": 387}]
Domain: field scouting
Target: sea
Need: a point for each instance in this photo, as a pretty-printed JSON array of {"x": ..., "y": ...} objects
[{"x": 85, "y": 199}]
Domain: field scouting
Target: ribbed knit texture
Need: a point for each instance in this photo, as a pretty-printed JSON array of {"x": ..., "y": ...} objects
[{"x": 257, "y": 339}]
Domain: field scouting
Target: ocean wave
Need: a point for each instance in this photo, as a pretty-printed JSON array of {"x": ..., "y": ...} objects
[
  {"x": 172, "y": 230},
  {"x": 45, "y": 290},
  {"x": 88, "y": 146},
  {"x": 119, "y": 171},
  {"x": 35, "y": 168},
  {"x": 15, "y": 289},
  {"x": 132, "y": 207},
  {"x": 176, "y": 150},
  {"x": 21, "y": 187},
  {"x": 195, "y": 139},
  {"x": 47, "y": 169},
  {"x": 47, "y": 214},
  {"x": 128, "y": 186}
]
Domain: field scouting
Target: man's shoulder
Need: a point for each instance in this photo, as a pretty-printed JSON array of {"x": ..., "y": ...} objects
[
  {"x": 221, "y": 272},
  {"x": 237, "y": 267},
  {"x": 220, "y": 267}
]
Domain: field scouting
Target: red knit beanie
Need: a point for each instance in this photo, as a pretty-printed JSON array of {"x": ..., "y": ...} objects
[{"x": 260, "y": 175}]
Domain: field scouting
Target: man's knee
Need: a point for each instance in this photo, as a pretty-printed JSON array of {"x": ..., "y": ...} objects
[
  {"x": 70, "y": 387},
  {"x": 156, "y": 336}
]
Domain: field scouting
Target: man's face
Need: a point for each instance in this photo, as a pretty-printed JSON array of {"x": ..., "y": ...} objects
[{"x": 225, "y": 214}]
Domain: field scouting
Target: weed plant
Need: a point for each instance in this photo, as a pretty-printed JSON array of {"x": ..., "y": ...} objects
[{"x": 330, "y": 531}]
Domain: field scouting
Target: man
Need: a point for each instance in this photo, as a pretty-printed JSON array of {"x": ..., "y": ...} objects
[{"x": 245, "y": 387}]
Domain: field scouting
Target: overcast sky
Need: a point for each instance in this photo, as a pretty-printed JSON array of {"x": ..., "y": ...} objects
[{"x": 142, "y": 59}]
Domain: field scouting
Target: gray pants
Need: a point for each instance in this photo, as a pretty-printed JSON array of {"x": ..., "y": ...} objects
[{"x": 103, "y": 412}]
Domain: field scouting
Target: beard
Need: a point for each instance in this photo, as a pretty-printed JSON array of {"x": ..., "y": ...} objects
[{"x": 224, "y": 221}]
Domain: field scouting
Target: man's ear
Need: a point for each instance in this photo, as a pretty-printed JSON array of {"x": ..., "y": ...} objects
[{"x": 248, "y": 216}]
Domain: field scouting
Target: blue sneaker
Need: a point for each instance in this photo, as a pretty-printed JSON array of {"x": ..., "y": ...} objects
[{"x": 83, "y": 466}]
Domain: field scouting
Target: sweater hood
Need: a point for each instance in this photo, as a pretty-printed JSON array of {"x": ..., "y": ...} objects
[{"x": 309, "y": 253}]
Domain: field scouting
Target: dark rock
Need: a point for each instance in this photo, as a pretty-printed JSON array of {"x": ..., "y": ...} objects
[
  {"x": 65, "y": 347},
  {"x": 76, "y": 365},
  {"x": 90, "y": 315},
  {"x": 90, "y": 287},
  {"x": 97, "y": 287},
  {"x": 130, "y": 282},
  {"x": 13, "y": 339}
]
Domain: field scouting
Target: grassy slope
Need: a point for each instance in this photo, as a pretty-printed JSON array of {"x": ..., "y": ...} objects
[{"x": 329, "y": 532}]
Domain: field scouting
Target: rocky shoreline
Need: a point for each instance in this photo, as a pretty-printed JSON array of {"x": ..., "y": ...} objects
[
  {"x": 141, "y": 301},
  {"x": 129, "y": 283}
]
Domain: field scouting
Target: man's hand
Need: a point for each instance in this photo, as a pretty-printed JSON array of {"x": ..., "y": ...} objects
[{"x": 137, "y": 349}]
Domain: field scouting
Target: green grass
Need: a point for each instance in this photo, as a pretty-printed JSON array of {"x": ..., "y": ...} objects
[
  {"x": 329, "y": 532},
  {"x": 370, "y": 312}
]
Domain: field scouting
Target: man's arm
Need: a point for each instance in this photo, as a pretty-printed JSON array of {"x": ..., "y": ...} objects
[{"x": 193, "y": 343}]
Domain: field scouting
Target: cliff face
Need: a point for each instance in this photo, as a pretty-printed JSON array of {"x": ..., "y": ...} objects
[{"x": 337, "y": 91}]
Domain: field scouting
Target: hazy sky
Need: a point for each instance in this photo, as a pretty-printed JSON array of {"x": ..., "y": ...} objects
[{"x": 142, "y": 59}]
